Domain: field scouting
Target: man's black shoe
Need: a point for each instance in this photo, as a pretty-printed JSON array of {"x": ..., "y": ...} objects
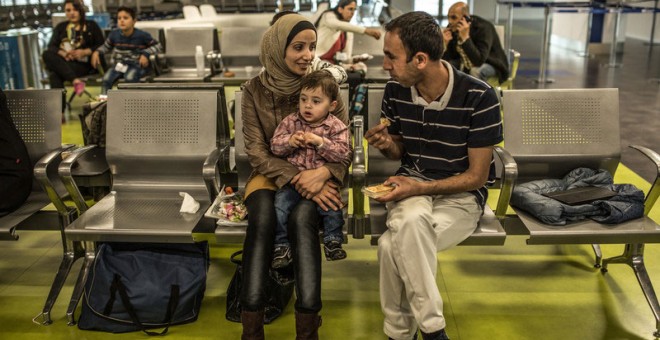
[{"x": 439, "y": 335}]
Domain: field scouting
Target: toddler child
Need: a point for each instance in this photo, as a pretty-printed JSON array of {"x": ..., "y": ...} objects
[{"x": 308, "y": 139}]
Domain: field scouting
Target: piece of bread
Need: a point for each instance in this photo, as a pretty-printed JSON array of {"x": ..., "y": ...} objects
[
  {"x": 375, "y": 191},
  {"x": 229, "y": 74},
  {"x": 385, "y": 121}
]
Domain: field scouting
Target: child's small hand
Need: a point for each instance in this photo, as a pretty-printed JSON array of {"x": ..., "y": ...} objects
[
  {"x": 313, "y": 140},
  {"x": 297, "y": 139},
  {"x": 95, "y": 60},
  {"x": 144, "y": 62},
  {"x": 77, "y": 54}
]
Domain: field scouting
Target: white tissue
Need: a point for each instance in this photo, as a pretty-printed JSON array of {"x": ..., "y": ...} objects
[{"x": 189, "y": 204}]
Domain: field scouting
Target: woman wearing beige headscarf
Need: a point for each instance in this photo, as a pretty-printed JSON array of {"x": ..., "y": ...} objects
[{"x": 287, "y": 53}]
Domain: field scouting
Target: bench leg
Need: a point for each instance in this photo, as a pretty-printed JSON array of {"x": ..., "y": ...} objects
[
  {"x": 599, "y": 255},
  {"x": 72, "y": 252},
  {"x": 633, "y": 256},
  {"x": 90, "y": 254}
]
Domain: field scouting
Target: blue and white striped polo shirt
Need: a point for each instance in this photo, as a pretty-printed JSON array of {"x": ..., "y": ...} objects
[{"x": 437, "y": 135}]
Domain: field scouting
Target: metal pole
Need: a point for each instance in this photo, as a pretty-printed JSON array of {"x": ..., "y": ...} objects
[
  {"x": 655, "y": 8},
  {"x": 545, "y": 48},
  {"x": 509, "y": 28},
  {"x": 590, "y": 19},
  {"x": 615, "y": 35}
]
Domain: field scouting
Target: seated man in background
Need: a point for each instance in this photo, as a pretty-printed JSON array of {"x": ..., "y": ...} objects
[{"x": 472, "y": 45}]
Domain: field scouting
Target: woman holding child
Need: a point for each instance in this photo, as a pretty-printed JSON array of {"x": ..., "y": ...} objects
[{"x": 287, "y": 53}]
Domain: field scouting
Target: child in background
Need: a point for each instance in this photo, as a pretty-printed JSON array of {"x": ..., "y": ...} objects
[
  {"x": 131, "y": 48},
  {"x": 308, "y": 139}
]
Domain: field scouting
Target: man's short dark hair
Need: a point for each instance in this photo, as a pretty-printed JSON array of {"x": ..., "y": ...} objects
[
  {"x": 419, "y": 32},
  {"x": 321, "y": 79},
  {"x": 129, "y": 10}
]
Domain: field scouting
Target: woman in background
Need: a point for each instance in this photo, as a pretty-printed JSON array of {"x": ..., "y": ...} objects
[
  {"x": 67, "y": 57},
  {"x": 335, "y": 32}
]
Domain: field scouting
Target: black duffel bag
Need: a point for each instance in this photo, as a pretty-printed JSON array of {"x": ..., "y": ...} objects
[{"x": 141, "y": 286}]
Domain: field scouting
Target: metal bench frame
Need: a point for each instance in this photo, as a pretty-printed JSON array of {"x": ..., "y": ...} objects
[
  {"x": 37, "y": 116},
  {"x": 549, "y": 133},
  {"x": 159, "y": 143}
]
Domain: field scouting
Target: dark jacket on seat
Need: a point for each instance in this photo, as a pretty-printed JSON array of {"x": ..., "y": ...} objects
[
  {"x": 626, "y": 205},
  {"x": 484, "y": 46},
  {"x": 15, "y": 165}
]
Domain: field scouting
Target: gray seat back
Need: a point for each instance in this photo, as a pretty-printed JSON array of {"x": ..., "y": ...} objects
[
  {"x": 37, "y": 115},
  {"x": 380, "y": 168},
  {"x": 182, "y": 41},
  {"x": 157, "y": 141},
  {"x": 222, "y": 112},
  {"x": 550, "y": 132},
  {"x": 240, "y": 45}
]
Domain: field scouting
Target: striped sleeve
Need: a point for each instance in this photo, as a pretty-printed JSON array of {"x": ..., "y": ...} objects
[
  {"x": 486, "y": 121},
  {"x": 153, "y": 46}
]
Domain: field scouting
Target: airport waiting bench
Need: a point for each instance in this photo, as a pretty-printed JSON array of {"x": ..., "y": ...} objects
[
  {"x": 547, "y": 134},
  {"x": 37, "y": 116},
  {"x": 160, "y": 141}
]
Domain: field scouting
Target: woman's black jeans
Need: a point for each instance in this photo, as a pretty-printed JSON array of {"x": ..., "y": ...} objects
[{"x": 258, "y": 252}]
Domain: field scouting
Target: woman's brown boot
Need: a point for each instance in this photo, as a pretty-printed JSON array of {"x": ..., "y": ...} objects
[
  {"x": 307, "y": 326},
  {"x": 253, "y": 325}
]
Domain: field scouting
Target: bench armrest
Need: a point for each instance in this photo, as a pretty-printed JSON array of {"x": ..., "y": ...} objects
[
  {"x": 214, "y": 59},
  {"x": 654, "y": 192},
  {"x": 41, "y": 174},
  {"x": 158, "y": 64},
  {"x": 509, "y": 176},
  {"x": 210, "y": 172},
  {"x": 64, "y": 170}
]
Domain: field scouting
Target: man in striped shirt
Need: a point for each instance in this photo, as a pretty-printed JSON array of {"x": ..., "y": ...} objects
[{"x": 443, "y": 126}]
